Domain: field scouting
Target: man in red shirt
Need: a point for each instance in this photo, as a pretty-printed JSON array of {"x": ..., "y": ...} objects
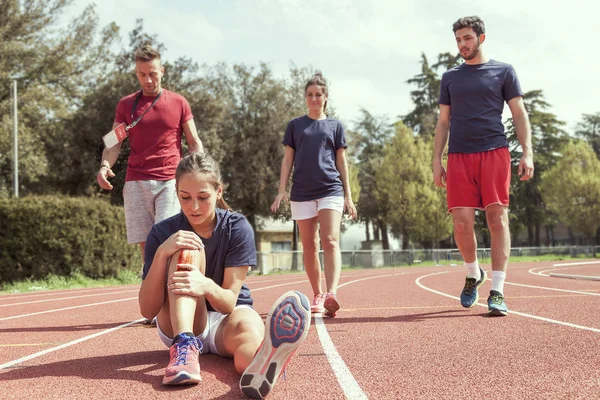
[{"x": 155, "y": 147}]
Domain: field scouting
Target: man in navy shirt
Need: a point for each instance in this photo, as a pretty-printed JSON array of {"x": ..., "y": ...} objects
[{"x": 472, "y": 98}]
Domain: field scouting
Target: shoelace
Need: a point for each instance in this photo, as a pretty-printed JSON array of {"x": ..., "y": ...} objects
[
  {"x": 496, "y": 299},
  {"x": 470, "y": 285},
  {"x": 182, "y": 349}
]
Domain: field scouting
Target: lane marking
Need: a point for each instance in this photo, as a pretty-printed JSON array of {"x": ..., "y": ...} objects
[
  {"x": 576, "y": 263},
  {"x": 552, "y": 289},
  {"x": 345, "y": 379},
  {"x": 347, "y": 382},
  {"x": 578, "y": 277},
  {"x": 66, "y": 308},
  {"x": 553, "y": 321},
  {"x": 68, "y": 344},
  {"x": 13, "y": 296},
  {"x": 274, "y": 286},
  {"x": 66, "y": 298}
]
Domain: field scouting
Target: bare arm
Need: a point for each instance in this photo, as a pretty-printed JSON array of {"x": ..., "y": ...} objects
[
  {"x": 440, "y": 143},
  {"x": 286, "y": 169},
  {"x": 224, "y": 298},
  {"x": 109, "y": 158},
  {"x": 341, "y": 163},
  {"x": 192, "y": 138},
  {"x": 152, "y": 291},
  {"x": 523, "y": 128},
  {"x": 189, "y": 281}
]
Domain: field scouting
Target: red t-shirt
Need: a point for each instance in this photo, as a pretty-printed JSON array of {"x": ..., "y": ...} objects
[{"x": 155, "y": 142}]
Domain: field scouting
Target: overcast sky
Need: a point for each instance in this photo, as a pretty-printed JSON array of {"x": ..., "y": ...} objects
[{"x": 368, "y": 49}]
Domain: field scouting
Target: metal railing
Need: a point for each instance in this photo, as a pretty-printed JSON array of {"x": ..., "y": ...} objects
[{"x": 292, "y": 260}]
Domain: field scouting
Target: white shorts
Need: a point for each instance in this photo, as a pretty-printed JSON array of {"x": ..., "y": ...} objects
[
  {"x": 146, "y": 203},
  {"x": 208, "y": 336},
  {"x": 310, "y": 209}
]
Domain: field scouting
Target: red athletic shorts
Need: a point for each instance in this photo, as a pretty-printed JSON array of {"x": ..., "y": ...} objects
[{"x": 476, "y": 180}]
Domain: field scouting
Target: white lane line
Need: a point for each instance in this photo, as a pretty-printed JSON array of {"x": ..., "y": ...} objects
[
  {"x": 274, "y": 286},
  {"x": 576, "y": 263},
  {"x": 66, "y": 308},
  {"x": 68, "y": 344},
  {"x": 347, "y": 382},
  {"x": 553, "y": 289},
  {"x": 66, "y": 298},
  {"x": 13, "y": 296},
  {"x": 553, "y": 321},
  {"x": 578, "y": 277}
]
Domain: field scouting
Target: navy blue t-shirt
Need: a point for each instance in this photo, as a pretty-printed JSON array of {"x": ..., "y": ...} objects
[
  {"x": 476, "y": 96},
  {"x": 315, "y": 143},
  {"x": 231, "y": 245}
]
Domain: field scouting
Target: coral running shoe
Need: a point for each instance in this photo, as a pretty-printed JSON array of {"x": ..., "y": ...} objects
[
  {"x": 317, "y": 304},
  {"x": 331, "y": 304},
  {"x": 184, "y": 368}
]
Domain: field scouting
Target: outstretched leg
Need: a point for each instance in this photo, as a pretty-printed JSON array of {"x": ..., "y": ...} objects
[{"x": 286, "y": 328}]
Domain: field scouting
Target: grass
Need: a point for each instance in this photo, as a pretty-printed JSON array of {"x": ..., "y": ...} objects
[
  {"x": 131, "y": 277},
  {"x": 75, "y": 281}
]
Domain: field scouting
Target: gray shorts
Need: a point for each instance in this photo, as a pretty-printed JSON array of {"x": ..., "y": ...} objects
[{"x": 146, "y": 203}]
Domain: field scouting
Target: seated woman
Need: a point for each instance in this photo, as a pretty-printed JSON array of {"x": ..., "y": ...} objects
[{"x": 193, "y": 282}]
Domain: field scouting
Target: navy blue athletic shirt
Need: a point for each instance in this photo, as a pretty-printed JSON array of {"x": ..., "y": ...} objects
[
  {"x": 231, "y": 245},
  {"x": 476, "y": 96},
  {"x": 315, "y": 143}
]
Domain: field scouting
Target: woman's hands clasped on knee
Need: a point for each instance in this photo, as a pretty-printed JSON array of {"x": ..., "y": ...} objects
[
  {"x": 188, "y": 280},
  {"x": 181, "y": 240}
]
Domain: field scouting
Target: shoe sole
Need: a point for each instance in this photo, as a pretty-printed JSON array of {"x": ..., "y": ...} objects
[
  {"x": 287, "y": 326},
  {"x": 477, "y": 288},
  {"x": 494, "y": 312},
  {"x": 332, "y": 305},
  {"x": 182, "y": 378}
]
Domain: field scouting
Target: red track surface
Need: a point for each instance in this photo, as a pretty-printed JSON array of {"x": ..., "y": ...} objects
[{"x": 401, "y": 334}]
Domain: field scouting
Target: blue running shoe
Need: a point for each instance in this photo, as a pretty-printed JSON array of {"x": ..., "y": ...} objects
[
  {"x": 285, "y": 329},
  {"x": 496, "y": 305},
  {"x": 470, "y": 294}
]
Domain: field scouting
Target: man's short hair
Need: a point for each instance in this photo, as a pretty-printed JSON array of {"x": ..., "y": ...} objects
[
  {"x": 473, "y": 22},
  {"x": 146, "y": 53}
]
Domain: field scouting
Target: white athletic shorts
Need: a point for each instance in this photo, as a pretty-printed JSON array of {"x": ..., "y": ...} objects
[
  {"x": 146, "y": 203},
  {"x": 208, "y": 336},
  {"x": 310, "y": 209}
]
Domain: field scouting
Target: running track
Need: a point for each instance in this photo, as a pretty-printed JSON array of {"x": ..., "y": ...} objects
[{"x": 401, "y": 335}]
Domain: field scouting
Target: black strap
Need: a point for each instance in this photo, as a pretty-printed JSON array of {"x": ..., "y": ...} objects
[{"x": 137, "y": 98}]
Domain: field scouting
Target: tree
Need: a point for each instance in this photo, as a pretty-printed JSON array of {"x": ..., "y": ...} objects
[
  {"x": 571, "y": 188},
  {"x": 405, "y": 180},
  {"x": 423, "y": 118},
  {"x": 54, "y": 67},
  {"x": 369, "y": 136},
  {"x": 589, "y": 129},
  {"x": 548, "y": 137}
]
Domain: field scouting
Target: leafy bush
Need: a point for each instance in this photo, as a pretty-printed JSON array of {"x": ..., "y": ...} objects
[{"x": 61, "y": 235}]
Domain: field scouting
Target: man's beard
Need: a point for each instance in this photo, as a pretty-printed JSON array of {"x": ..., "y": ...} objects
[{"x": 474, "y": 53}]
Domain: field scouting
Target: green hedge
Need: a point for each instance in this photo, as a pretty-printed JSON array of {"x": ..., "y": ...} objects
[{"x": 47, "y": 235}]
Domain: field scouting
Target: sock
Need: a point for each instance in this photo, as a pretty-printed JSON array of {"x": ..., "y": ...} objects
[
  {"x": 473, "y": 270},
  {"x": 181, "y": 336},
  {"x": 498, "y": 281}
]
